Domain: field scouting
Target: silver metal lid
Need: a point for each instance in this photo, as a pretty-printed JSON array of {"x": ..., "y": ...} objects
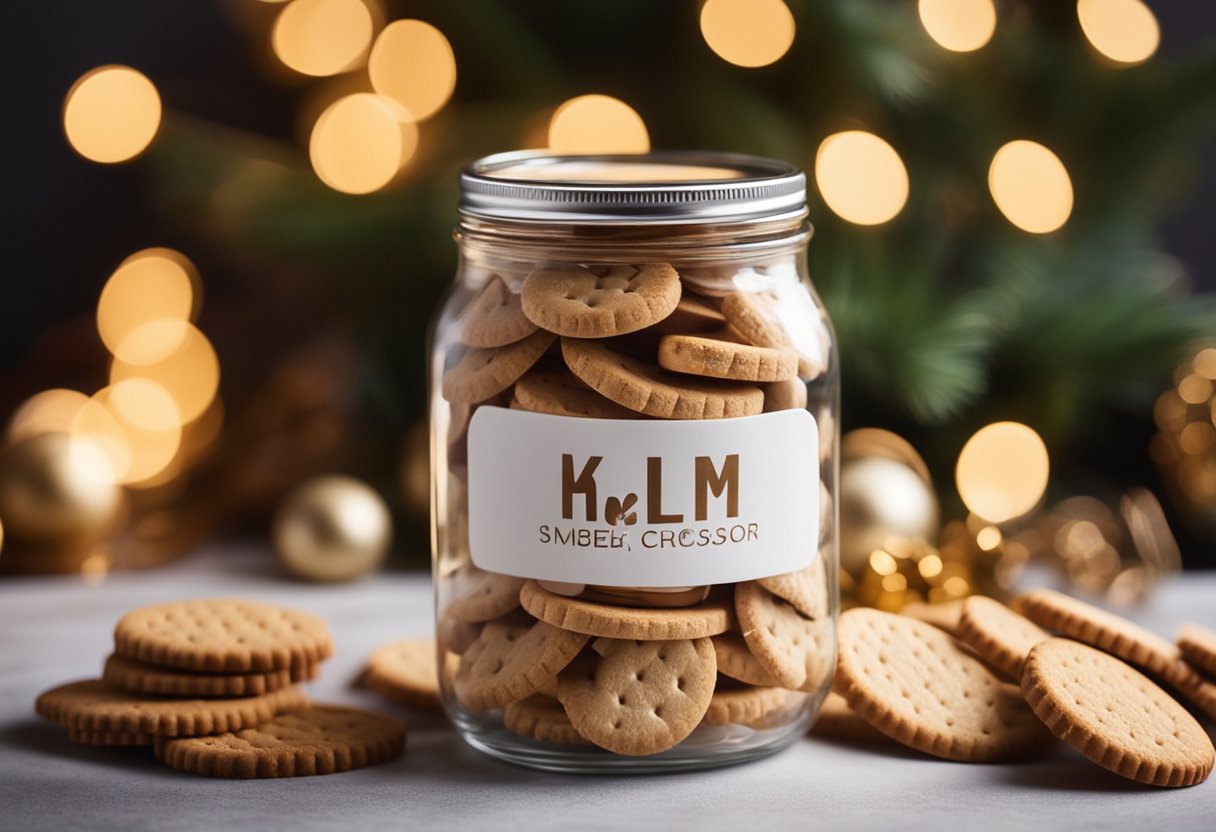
[{"x": 671, "y": 187}]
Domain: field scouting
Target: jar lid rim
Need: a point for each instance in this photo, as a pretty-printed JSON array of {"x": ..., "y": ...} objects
[{"x": 660, "y": 187}]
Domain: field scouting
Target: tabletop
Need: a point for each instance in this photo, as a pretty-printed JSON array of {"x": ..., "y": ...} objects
[{"x": 55, "y": 629}]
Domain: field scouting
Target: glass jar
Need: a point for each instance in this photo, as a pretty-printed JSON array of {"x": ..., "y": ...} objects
[{"x": 634, "y": 409}]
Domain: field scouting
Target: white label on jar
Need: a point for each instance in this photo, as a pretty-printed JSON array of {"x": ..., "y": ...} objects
[{"x": 646, "y": 503}]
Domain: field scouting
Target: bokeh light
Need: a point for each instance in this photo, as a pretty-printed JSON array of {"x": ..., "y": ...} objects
[
  {"x": 958, "y": 25},
  {"x": 1030, "y": 186},
  {"x": 1002, "y": 471},
  {"x": 412, "y": 63},
  {"x": 135, "y": 424},
  {"x": 322, "y": 37},
  {"x": 190, "y": 375},
  {"x": 1125, "y": 31},
  {"x": 156, "y": 284},
  {"x": 748, "y": 33},
  {"x": 360, "y": 143},
  {"x": 597, "y": 124},
  {"x": 111, "y": 114},
  {"x": 861, "y": 177},
  {"x": 51, "y": 411}
]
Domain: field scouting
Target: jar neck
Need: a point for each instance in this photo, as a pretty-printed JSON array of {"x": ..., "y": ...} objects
[{"x": 637, "y": 242}]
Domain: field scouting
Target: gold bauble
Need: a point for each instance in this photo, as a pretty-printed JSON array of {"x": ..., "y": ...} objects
[
  {"x": 885, "y": 491},
  {"x": 332, "y": 528},
  {"x": 56, "y": 488}
]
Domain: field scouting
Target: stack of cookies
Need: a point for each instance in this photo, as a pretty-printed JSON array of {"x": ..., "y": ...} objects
[
  {"x": 1006, "y": 684},
  {"x": 212, "y": 685}
]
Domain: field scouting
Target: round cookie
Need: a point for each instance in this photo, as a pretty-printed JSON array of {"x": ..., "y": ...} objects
[
  {"x": 576, "y": 302},
  {"x": 647, "y": 596},
  {"x": 790, "y": 394},
  {"x": 944, "y": 615},
  {"x": 581, "y": 616},
  {"x": 737, "y": 662},
  {"x": 647, "y": 389},
  {"x": 512, "y": 661},
  {"x": 743, "y": 705},
  {"x": 692, "y": 314},
  {"x": 794, "y": 649},
  {"x": 405, "y": 671},
  {"x": 837, "y": 721},
  {"x": 495, "y": 318},
  {"x": 223, "y": 635},
  {"x": 1115, "y": 715},
  {"x": 322, "y": 739},
  {"x": 640, "y": 697},
  {"x": 482, "y": 373},
  {"x": 456, "y": 636},
  {"x": 137, "y": 677},
  {"x": 562, "y": 394},
  {"x": 806, "y": 589},
  {"x": 754, "y": 316},
  {"x": 1120, "y": 637},
  {"x": 704, "y": 356},
  {"x": 541, "y": 718},
  {"x": 998, "y": 634},
  {"x": 1198, "y": 647},
  {"x": 81, "y": 736},
  {"x": 93, "y": 706},
  {"x": 917, "y": 685},
  {"x": 489, "y": 596}
]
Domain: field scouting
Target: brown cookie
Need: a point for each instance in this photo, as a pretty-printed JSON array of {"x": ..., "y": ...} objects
[
  {"x": 484, "y": 373},
  {"x": 541, "y": 718},
  {"x": 944, "y": 615},
  {"x": 704, "y": 356},
  {"x": 512, "y": 661},
  {"x": 488, "y": 596},
  {"x": 920, "y": 687},
  {"x": 1115, "y": 715},
  {"x": 109, "y": 738},
  {"x": 323, "y": 739},
  {"x": 1198, "y": 647},
  {"x": 137, "y": 677},
  {"x": 223, "y": 635},
  {"x": 580, "y": 616},
  {"x": 647, "y": 389},
  {"x": 998, "y": 634},
  {"x": 1120, "y": 637},
  {"x": 577, "y": 302},
  {"x": 495, "y": 317},
  {"x": 744, "y": 705},
  {"x": 736, "y": 661},
  {"x": 785, "y": 395},
  {"x": 755, "y": 316},
  {"x": 640, "y": 697},
  {"x": 806, "y": 589},
  {"x": 456, "y": 636},
  {"x": 692, "y": 314},
  {"x": 646, "y": 597},
  {"x": 406, "y": 671},
  {"x": 93, "y": 706},
  {"x": 794, "y": 649},
  {"x": 837, "y": 721},
  {"x": 562, "y": 394}
]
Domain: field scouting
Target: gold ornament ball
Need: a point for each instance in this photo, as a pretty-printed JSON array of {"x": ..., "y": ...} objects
[
  {"x": 885, "y": 492},
  {"x": 332, "y": 528},
  {"x": 54, "y": 487}
]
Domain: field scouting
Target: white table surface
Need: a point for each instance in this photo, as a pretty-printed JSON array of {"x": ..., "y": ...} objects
[{"x": 58, "y": 629}]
